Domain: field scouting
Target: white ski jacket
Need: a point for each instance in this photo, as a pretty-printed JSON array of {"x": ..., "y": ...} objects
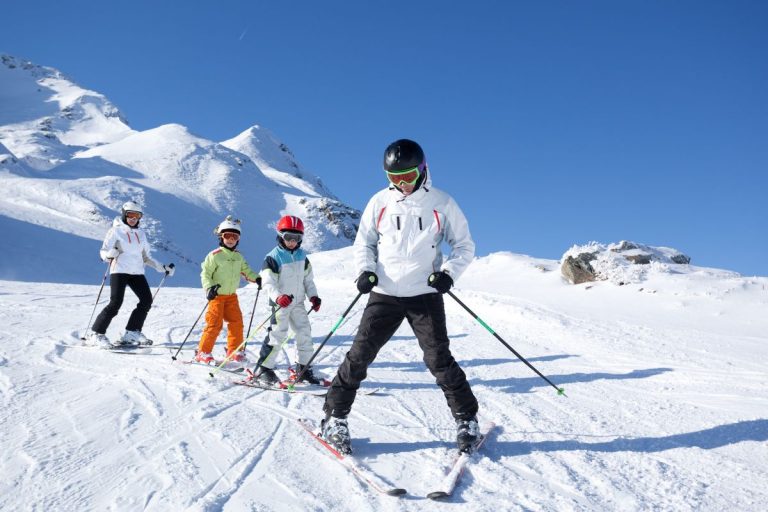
[
  {"x": 134, "y": 248},
  {"x": 399, "y": 239}
]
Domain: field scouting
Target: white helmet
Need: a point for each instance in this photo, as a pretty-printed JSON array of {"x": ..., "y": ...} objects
[
  {"x": 228, "y": 225},
  {"x": 131, "y": 206}
]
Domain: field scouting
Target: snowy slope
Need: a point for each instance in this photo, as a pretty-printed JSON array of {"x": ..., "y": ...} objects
[
  {"x": 68, "y": 160},
  {"x": 666, "y": 405}
]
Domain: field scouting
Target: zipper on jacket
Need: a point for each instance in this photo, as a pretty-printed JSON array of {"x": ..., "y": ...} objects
[
  {"x": 421, "y": 228},
  {"x": 398, "y": 222}
]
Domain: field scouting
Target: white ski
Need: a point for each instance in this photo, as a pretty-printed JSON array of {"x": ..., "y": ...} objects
[{"x": 450, "y": 480}]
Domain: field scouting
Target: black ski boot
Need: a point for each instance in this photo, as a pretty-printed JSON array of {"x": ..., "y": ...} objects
[
  {"x": 266, "y": 376},
  {"x": 467, "y": 434},
  {"x": 307, "y": 376},
  {"x": 335, "y": 432}
]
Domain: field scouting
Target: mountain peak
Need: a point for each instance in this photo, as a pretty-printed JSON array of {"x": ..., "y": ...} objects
[{"x": 71, "y": 160}]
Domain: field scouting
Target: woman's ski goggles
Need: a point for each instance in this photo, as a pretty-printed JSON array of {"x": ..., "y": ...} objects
[
  {"x": 132, "y": 215},
  {"x": 230, "y": 236},
  {"x": 407, "y": 176},
  {"x": 289, "y": 236}
]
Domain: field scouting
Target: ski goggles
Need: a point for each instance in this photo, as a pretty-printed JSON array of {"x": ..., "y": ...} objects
[
  {"x": 132, "y": 215},
  {"x": 289, "y": 236},
  {"x": 230, "y": 236},
  {"x": 407, "y": 176}
]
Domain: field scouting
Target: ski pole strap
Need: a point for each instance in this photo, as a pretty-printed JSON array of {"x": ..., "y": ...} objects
[{"x": 560, "y": 391}]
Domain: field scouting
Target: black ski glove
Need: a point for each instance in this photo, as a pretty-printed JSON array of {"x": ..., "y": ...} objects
[
  {"x": 366, "y": 282},
  {"x": 213, "y": 292},
  {"x": 440, "y": 281}
]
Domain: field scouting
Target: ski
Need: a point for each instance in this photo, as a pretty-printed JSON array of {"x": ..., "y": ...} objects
[
  {"x": 118, "y": 349},
  {"x": 236, "y": 370},
  {"x": 287, "y": 386},
  {"x": 314, "y": 390},
  {"x": 366, "y": 475},
  {"x": 450, "y": 480}
]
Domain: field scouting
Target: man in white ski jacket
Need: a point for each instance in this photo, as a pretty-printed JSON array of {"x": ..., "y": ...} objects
[{"x": 397, "y": 252}]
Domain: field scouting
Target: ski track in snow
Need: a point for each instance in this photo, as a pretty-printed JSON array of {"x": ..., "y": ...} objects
[{"x": 657, "y": 417}]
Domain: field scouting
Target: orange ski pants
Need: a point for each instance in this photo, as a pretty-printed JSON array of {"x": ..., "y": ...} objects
[{"x": 222, "y": 308}]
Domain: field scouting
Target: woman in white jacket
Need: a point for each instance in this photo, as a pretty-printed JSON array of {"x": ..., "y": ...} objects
[
  {"x": 127, "y": 249},
  {"x": 397, "y": 253}
]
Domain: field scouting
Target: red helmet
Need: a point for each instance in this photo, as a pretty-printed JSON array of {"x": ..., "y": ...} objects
[{"x": 290, "y": 223}]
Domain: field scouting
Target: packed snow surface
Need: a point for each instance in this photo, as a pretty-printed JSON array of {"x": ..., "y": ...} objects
[{"x": 666, "y": 405}]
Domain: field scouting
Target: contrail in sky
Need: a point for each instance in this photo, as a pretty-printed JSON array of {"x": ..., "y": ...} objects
[{"x": 243, "y": 34}]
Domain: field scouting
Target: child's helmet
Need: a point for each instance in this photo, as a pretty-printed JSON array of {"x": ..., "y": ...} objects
[
  {"x": 228, "y": 225},
  {"x": 290, "y": 223}
]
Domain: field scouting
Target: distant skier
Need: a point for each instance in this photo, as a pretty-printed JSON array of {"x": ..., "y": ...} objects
[
  {"x": 220, "y": 276},
  {"x": 127, "y": 248},
  {"x": 397, "y": 252},
  {"x": 288, "y": 279}
]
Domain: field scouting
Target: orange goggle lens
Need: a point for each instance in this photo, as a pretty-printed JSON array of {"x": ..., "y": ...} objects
[{"x": 407, "y": 176}]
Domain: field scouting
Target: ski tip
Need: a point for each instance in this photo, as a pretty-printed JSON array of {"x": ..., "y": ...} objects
[
  {"x": 396, "y": 492},
  {"x": 437, "y": 495}
]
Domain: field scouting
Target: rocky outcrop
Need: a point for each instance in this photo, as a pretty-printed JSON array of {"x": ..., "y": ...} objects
[{"x": 622, "y": 262}]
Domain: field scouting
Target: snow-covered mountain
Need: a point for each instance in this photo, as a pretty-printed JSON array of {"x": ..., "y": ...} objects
[{"x": 69, "y": 159}]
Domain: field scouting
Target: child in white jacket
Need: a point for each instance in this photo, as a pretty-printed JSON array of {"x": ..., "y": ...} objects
[
  {"x": 127, "y": 249},
  {"x": 288, "y": 280}
]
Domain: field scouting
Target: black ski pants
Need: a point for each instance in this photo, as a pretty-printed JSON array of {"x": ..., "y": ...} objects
[
  {"x": 117, "y": 283},
  {"x": 382, "y": 316}
]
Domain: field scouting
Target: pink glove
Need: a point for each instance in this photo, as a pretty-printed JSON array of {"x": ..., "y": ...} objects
[{"x": 284, "y": 301}]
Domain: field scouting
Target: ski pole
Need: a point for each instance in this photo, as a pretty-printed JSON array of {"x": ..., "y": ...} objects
[
  {"x": 338, "y": 323},
  {"x": 106, "y": 273},
  {"x": 253, "y": 312},
  {"x": 229, "y": 356},
  {"x": 190, "y": 331},
  {"x": 161, "y": 283},
  {"x": 560, "y": 391}
]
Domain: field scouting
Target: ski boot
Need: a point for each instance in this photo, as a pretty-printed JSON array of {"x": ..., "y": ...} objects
[
  {"x": 135, "y": 339},
  {"x": 307, "y": 376},
  {"x": 335, "y": 432},
  {"x": 237, "y": 357},
  {"x": 267, "y": 377},
  {"x": 96, "y": 339},
  {"x": 204, "y": 357},
  {"x": 467, "y": 434}
]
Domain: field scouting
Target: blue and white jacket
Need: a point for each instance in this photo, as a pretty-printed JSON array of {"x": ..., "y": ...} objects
[{"x": 288, "y": 273}]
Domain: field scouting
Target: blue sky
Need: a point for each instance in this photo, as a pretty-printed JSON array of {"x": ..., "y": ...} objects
[{"x": 552, "y": 123}]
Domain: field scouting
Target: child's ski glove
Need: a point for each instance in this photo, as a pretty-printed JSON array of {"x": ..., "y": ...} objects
[
  {"x": 213, "y": 292},
  {"x": 284, "y": 301}
]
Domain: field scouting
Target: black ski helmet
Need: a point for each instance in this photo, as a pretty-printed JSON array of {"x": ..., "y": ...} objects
[{"x": 403, "y": 154}]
